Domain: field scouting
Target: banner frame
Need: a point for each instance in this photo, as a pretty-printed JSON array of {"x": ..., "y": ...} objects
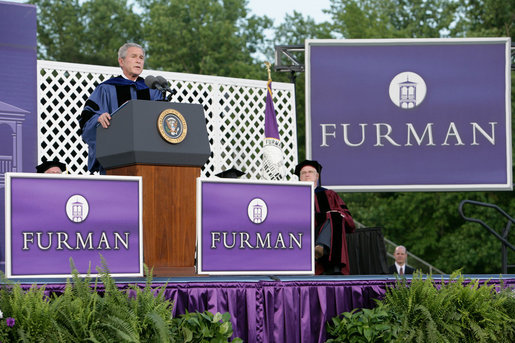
[
  {"x": 8, "y": 253},
  {"x": 202, "y": 180},
  {"x": 505, "y": 186}
]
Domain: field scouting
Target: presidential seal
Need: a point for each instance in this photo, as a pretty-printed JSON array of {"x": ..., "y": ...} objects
[{"x": 172, "y": 126}]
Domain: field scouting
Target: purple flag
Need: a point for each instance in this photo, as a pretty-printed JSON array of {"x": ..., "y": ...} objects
[
  {"x": 273, "y": 163},
  {"x": 271, "y": 130}
]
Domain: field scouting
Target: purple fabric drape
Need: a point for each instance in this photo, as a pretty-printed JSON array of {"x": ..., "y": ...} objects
[
  {"x": 275, "y": 311},
  {"x": 298, "y": 311}
]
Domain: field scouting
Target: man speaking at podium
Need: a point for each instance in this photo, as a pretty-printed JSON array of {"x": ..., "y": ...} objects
[{"x": 111, "y": 94}]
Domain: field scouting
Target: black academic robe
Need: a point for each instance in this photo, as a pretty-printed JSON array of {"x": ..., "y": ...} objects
[
  {"x": 332, "y": 214},
  {"x": 107, "y": 97}
]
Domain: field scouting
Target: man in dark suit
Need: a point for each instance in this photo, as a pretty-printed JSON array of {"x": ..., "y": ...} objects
[{"x": 400, "y": 267}]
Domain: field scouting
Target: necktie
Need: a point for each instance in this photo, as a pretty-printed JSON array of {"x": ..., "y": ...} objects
[{"x": 401, "y": 271}]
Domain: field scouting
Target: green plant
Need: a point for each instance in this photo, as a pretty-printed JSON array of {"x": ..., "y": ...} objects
[
  {"x": 86, "y": 313},
  {"x": 26, "y": 314},
  {"x": 509, "y": 302},
  {"x": 425, "y": 310},
  {"x": 203, "y": 327},
  {"x": 455, "y": 310},
  {"x": 82, "y": 313},
  {"x": 362, "y": 325},
  {"x": 480, "y": 311},
  {"x": 421, "y": 312}
]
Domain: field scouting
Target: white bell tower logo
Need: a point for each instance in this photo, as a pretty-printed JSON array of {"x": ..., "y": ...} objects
[
  {"x": 257, "y": 210},
  {"x": 407, "y": 90},
  {"x": 77, "y": 208}
]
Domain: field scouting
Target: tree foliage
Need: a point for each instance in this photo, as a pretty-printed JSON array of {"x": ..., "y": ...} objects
[
  {"x": 199, "y": 37},
  {"x": 391, "y": 18},
  {"x": 85, "y": 31},
  {"x": 485, "y": 18}
]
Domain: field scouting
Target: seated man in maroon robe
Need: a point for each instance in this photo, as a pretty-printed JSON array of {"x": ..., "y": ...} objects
[{"x": 332, "y": 221}]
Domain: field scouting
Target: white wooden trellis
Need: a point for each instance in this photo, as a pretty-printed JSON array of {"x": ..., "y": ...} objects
[{"x": 234, "y": 110}]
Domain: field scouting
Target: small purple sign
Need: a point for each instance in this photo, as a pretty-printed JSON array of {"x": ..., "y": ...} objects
[
  {"x": 410, "y": 114},
  {"x": 51, "y": 219},
  {"x": 254, "y": 227}
]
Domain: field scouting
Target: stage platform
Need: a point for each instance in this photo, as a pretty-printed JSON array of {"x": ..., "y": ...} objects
[{"x": 273, "y": 308}]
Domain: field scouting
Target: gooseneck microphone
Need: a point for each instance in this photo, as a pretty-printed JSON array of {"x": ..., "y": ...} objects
[
  {"x": 153, "y": 83},
  {"x": 161, "y": 84},
  {"x": 165, "y": 84}
]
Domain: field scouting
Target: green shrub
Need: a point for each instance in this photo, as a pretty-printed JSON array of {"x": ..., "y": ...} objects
[
  {"x": 425, "y": 310},
  {"x": 82, "y": 313},
  {"x": 203, "y": 327},
  {"x": 362, "y": 326},
  {"x": 509, "y": 300},
  {"x": 449, "y": 311},
  {"x": 422, "y": 313},
  {"x": 25, "y": 314}
]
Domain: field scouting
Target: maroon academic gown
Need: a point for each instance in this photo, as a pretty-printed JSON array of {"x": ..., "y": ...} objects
[{"x": 330, "y": 207}]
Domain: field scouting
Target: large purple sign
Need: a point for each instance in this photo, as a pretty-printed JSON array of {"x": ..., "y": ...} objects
[
  {"x": 51, "y": 219},
  {"x": 18, "y": 96},
  {"x": 254, "y": 227},
  {"x": 410, "y": 115}
]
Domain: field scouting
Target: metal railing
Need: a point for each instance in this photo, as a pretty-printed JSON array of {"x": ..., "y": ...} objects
[
  {"x": 505, "y": 233},
  {"x": 419, "y": 263}
]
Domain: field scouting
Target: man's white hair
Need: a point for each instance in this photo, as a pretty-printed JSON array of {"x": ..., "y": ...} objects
[{"x": 122, "y": 52}]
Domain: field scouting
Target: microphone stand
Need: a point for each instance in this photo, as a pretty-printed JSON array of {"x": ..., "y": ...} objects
[
  {"x": 163, "y": 95},
  {"x": 172, "y": 93}
]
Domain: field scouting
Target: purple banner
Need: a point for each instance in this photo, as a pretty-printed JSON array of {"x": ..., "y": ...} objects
[
  {"x": 52, "y": 218},
  {"x": 255, "y": 228},
  {"x": 18, "y": 96},
  {"x": 410, "y": 115}
]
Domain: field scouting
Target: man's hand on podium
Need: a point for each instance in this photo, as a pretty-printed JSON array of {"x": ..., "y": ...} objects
[{"x": 104, "y": 120}]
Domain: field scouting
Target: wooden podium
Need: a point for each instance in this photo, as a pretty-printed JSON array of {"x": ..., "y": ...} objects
[{"x": 139, "y": 142}]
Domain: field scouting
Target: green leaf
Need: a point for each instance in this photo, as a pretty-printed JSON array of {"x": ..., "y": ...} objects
[
  {"x": 187, "y": 334},
  {"x": 217, "y": 317}
]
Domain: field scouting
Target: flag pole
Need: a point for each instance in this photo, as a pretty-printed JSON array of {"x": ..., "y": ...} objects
[{"x": 268, "y": 66}]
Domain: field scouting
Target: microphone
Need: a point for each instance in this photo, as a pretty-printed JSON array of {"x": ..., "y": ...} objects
[
  {"x": 153, "y": 83},
  {"x": 165, "y": 84}
]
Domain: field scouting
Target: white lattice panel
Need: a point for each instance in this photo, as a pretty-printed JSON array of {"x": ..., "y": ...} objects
[{"x": 234, "y": 110}]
